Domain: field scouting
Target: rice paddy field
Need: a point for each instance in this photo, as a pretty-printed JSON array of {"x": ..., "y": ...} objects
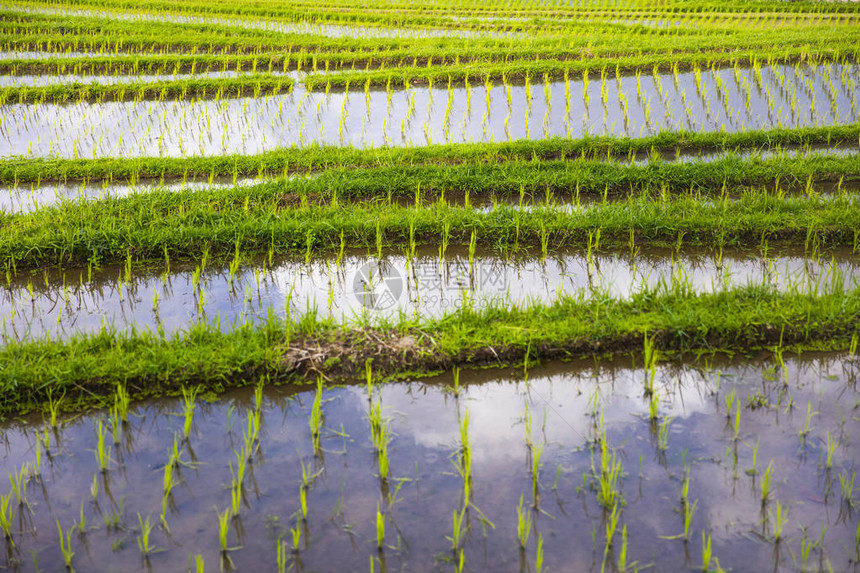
[{"x": 514, "y": 285}]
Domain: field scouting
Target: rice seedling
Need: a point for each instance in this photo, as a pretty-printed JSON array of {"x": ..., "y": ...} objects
[
  {"x": 115, "y": 424},
  {"x": 650, "y": 356},
  {"x": 122, "y": 401},
  {"x": 765, "y": 483},
  {"x": 524, "y": 524},
  {"x": 535, "y": 474},
  {"x": 752, "y": 471},
  {"x": 685, "y": 484},
  {"x": 315, "y": 419},
  {"x": 830, "y": 446},
  {"x": 458, "y": 530},
  {"x": 188, "y": 398},
  {"x": 18, "y": 481},
  {"x": 224, "y": 520},
  {"x": 380, "y": 530},
  {"x": 609, "y": 477},
  {"x": 143, "y": 539},
  {"x": 7, "y": 517},
  {"x": 282, "y": 556},
  {"x": 707, "y": 554},
  {"x": 806, "y": 547},
  {"x": 663, "y": 434},
  {"x": 465, "y": 445},
  {"x": 846, "y": 485},
  {"x": 81, "y": 523},
  {"x": 167, "y": 485},
  {"x": 303, "y": 502},
  {"x": 538, "y": 554},
  {"x": 102, "y": 451},
  {"x": 251, "y": 435},
  {"x": 689, "y": 510},
  {"x": 779, "y": 519},
  {"x": 66, "y": 546},
  {"x": 653, "y": 406},
  {"x": 54, "y": 407},
  {"x": 339, "y": 184},
  {"x": 736, "y": 424},
  {"x": 807, "y": 424},
  {"x": 612, "y": 521},
  {"x": 296, "y": 534}
]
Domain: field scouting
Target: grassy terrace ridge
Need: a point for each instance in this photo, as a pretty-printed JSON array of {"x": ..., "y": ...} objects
[
  {"x": 538, "y": 181},
  {"x": 395, "y": 13},
  {"x": 400, "y": 67},
  {"x": 584, "y": 40},
  {"x": 86, "y": 369},
  {"x": 62, "y": 24},
  {"x": 78, "y": 28},
  {"x": 150, "y": 227},
  {"x": 157, "y": 36},
  {"x": 392, "y": 51},
  {"x": 304, "y": 159},
  {"x": 664, "y": 55},
  {"x": 438, "y": 23},
  {"x": 250, "y": 85},
  {"x": 677, "y": 7},
  {"x": 563, "y": 69},
  {"x": 74, "y": 29}
]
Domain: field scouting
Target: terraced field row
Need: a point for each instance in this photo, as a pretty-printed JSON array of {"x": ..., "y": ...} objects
[{"x": 436, "y": 286}]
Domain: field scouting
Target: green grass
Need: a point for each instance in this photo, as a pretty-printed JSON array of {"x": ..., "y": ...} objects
[
  {"x": 538, "y": 70},
  {"x": 368, "y": 57},
  {"x": 469, "y": 16},
  {"x": 408, "y": 65},
  {"x": 314, "y": 158},
  {"x": 564, "y": 32},
  {"x": 87, "y": 368},
  {"x": 250, "y": 85},
  {"x": 183, "y": 225}
]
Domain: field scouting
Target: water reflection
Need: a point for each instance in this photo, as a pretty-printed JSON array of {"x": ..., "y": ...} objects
[
  {"x": 561, "y": 414},
  {"x": 731, "y": 99},
  {"x": 360, "y": 286}
]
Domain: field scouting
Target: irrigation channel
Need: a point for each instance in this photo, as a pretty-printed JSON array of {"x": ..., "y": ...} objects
[
  {"x": 435, "y": 285},
  {"x": 729, "y": 99},
  {"x": 759, "y": 451}
]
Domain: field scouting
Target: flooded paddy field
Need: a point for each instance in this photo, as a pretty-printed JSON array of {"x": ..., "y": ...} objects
[
  {"x": 360, "y": 286},
  {"x": 746, "y": 463},
  {"x": 335, "y": 31},
  {"x": 194, "y": 378},
  {"x": 626, "y": 105},
  {"x": 33, "y": 197}
]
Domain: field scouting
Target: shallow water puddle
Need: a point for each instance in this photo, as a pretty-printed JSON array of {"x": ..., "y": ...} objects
[
  {"x": 363, "y": 287},
  {"x": 727, "y": 99},
  {"x": 788, "y": 432}
]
